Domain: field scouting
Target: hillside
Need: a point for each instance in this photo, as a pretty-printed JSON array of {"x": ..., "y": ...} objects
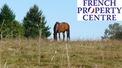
[{"x": 48, "y": 54}]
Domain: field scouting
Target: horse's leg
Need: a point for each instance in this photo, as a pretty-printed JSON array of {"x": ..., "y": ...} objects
[
  {"x": 59, "y": 36},
  {"x": 63, "y": 36},
  {"x": 55, "y": 36},
  {"x": 68, "y": 35}
]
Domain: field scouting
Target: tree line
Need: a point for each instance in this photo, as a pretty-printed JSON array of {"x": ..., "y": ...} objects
[
  {"x": 33, "y": 25},
  {"x": 114, "y": 31}
]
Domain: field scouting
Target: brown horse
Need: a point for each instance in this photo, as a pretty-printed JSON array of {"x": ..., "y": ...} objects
[{"x": 61, "y": 28}]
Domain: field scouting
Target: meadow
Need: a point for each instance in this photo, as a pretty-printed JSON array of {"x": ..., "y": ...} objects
[{"x": 34, "y": 53}]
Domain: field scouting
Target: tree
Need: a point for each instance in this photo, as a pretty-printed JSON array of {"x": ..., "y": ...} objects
[
  {"x": 34, "y": 24},
  {"x": 6, "y": 14},
  {"x": 17, "y": 30},
  {"x": 9, "y": 26},
  {"x": 114, "y": 31}
]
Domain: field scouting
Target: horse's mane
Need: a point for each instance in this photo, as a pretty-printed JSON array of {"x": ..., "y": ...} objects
[{"x": 55, "y": 27}]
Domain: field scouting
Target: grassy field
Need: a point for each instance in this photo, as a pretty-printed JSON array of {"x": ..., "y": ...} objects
[{"x": 48, "y": 54}]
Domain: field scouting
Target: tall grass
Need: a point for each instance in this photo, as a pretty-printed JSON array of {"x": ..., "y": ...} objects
[
  {"x": 32, "y": 53},
  {"x": 0, "y": 53}
]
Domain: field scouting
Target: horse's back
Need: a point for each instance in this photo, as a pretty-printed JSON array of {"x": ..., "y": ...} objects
[{"x": 64, "y": 26}]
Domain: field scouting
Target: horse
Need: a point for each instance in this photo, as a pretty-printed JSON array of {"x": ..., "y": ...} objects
[{"x": 61, "y": 28}]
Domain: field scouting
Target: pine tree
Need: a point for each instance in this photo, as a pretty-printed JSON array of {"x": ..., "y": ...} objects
[
  {"x": 6, "y": 14},
  {"x": 9, "y": 26},
  {"x": 34, "y": 24}
]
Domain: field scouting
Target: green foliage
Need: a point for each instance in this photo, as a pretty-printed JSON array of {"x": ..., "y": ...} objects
[
  {"x": 18, "y": 30},
  {"x": 6, "y": 14},
  {"x": 114, "y": 31},
  {"x": 34, "y": 24},
  {"x": 10, "y": 28}
]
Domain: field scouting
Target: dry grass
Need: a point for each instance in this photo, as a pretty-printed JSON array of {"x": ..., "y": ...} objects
[{"x": 75, "y": 54}]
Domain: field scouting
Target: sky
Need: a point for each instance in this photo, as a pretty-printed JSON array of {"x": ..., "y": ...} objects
[{"x": 62, "y": 11}]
